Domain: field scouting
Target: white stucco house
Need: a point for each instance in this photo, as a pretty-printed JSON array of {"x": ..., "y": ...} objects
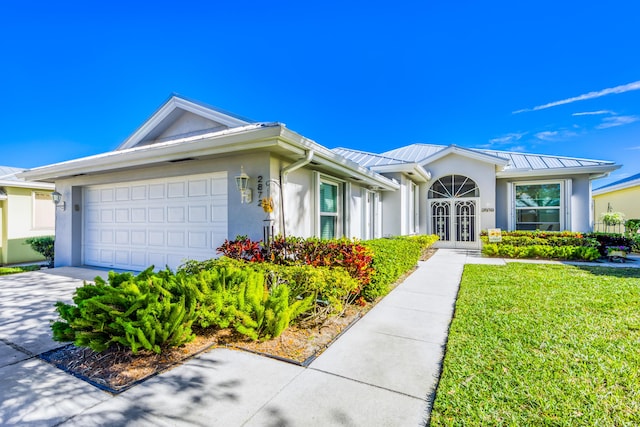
[{"x": 169, "y": 192}]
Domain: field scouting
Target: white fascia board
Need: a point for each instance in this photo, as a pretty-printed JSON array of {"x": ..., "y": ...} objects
[
  {"x": 171, "y": 105},
  {"x": 623, "y": 186},
  {"x": 452, "y": 149},
  {"x": 414, "y": 170},
  {"x": 28, "y": 184},
  {"x": 594, "y": 171},
  {"x": 230, "y": 140},
  {"x": 338, "y": 163}
]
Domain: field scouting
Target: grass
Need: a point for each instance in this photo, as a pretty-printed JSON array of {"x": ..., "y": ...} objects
[
  {"x": 21, "y": 269},
  {"x": 543, "y": 345}
]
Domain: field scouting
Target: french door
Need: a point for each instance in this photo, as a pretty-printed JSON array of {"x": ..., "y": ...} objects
[{"x": 455, "y": 221}]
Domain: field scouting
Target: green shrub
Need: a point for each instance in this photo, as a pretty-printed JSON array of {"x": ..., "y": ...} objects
[
  {"x": 610, "y": 239},
  {"x": 44, "y": 245},
  {"x": 233, "y": 295},
  {"x": 146, "y": 311},
  {"x": 392, "y": 257},
  {"x": 330, "y": 289},
  {"x": 584, "y": 253},
  {"x": 632, "y": 226}
]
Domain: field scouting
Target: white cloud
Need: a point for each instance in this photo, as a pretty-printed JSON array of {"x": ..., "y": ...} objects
[
  {"x": 547, "y": 135},
  {"x": 634, "y": 148},
  {"x": 510, "y": 137},
  {"x": 593, "y": 113},
  {"x": 591, "y": 95},
  {"x": 609, "y": 122}
]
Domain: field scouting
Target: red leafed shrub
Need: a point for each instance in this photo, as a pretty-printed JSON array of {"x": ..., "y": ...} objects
[
  {"x": 242, "y": 248},
  {"x": 348, "y": 254}
]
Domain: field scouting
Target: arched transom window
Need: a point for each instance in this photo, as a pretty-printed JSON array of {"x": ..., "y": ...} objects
[{"x": 453, "y": 186}]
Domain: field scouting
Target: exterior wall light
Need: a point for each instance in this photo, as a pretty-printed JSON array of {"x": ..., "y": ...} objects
[
  {"x": 57, "y": 200},
  {"x": 242, "y": 183}
]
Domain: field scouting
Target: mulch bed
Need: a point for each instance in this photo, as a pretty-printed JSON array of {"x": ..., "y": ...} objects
[{"x": 118, "y": 369}]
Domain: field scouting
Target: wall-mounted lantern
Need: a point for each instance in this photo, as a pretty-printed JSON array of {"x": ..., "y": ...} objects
[
  {"x": 57, "y": 200},
  {"x": 242, "y": 183}
]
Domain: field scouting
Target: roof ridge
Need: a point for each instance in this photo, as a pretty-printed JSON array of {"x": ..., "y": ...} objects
[
  {"x": 370, "y": 154},
  {"x": 546, "y": 155}
]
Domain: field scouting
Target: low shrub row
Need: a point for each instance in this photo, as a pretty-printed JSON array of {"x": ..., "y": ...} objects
[
  {"x": 556, "y": 245},
  {"x": 584, "y": 253},
  {"x": 375, "y": 264},
  {"x": 303, "y": 281},
  {"x": 392, "y": 257}
]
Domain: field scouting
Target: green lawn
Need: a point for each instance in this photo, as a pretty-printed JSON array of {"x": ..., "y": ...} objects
[
  {"x": 13, "y": 270},
  {"x": 543, "y": 345}
]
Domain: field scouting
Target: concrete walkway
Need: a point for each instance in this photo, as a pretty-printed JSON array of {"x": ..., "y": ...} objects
[{"x": 381, "y": 372}]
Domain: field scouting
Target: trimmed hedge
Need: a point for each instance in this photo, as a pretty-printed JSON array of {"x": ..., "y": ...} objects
[
  {"x": 392, "y": 257},
  {"x": 584, "y": 253}
]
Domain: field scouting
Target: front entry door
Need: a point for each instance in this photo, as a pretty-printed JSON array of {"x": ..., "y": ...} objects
[
  {"x": 455, "y": 221},
  {"x": 453, "y": 211}
]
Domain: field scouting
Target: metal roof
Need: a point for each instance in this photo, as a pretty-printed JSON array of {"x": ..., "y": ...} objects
[
  {"x": 525, "y": 161},
  {"x": 367, "y": 159},
  {"x": 8, "y": 173},
  {"x": 628, "y": 180}
]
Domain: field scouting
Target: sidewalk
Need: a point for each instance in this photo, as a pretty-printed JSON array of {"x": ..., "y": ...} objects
[{"x": 381, "y": 372}]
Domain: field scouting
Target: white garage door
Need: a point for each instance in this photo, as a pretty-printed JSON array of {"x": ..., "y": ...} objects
[{"x": 155, "y": 222}]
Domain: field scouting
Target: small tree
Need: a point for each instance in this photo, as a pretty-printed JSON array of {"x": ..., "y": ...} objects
[{"x": 44, "y": 245}]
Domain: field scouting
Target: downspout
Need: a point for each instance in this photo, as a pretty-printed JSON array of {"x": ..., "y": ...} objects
[{"x": 283, "y": 180}]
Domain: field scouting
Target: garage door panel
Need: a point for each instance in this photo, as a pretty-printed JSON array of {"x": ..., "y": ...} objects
[
  {"x": 138, "y": 215},
  {"x": 155, "y": 222},
  {"x": 139, "y": 192},
  {"x": 156, "y": 191},
  {"x": 106, "y": 215},
  {"x": 139, "y": 237},
  {"x": 156, "y": 238},
  {"x": 139, "y": 260},
  {"x": 122, "y": 194},
  {"x": 197, "y": 240},
  {"x": 175, "y": 214},
  {"x": 198, "y": 188},
  {"x": 122, "y": 215},
  {"x": 175, "y": 239},
  {"x": 106, "y": 195},
  {"x": 156, "y": 215}
]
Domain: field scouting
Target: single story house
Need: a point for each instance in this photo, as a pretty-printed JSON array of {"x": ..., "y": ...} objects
[
  {"x": 619, "y": 196},
  {"x": 175, "y": 189},
  {"x": 26, "y": 210}
]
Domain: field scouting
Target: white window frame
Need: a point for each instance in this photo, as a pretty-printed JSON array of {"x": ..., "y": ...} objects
[
  {"x": 564, "y": 208},
  {"x": 35, "y": 209},
  {"x": 340, "y": 213}
]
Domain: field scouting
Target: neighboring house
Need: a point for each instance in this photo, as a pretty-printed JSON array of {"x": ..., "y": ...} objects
[
  {"x": 26, "y": 210},
  {"x": 169, "y": 192},
  {"x": 619, "y": 196}
]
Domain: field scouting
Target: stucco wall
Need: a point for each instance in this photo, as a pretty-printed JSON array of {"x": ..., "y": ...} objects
[{"x": 626, "y": 201}]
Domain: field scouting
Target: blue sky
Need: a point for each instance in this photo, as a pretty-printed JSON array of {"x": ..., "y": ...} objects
[{"x": 544, "y": 77}]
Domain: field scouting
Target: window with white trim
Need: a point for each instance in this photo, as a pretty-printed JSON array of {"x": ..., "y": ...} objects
[
  {"x": 331, "y": 209},
  {"x": 539, "y": 206},
  {"x": 44, "y": 211}
]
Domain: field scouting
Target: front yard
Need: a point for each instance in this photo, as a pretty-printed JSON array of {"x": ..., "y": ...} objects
[{"x": 536, "y": 345}]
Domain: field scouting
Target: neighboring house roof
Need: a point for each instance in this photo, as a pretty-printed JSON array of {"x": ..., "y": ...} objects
[
  {"x": 8, "y": 178},
  {"x": 628, "y": 182}
]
